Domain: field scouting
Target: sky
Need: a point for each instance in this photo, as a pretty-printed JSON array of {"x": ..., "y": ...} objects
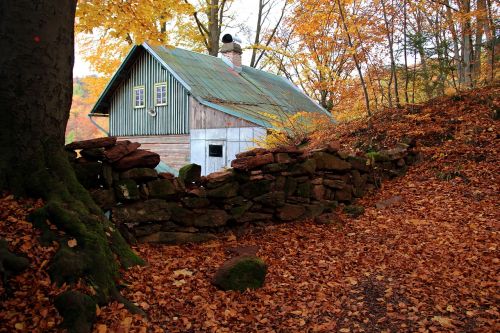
[{"x": 245, "y": 12}]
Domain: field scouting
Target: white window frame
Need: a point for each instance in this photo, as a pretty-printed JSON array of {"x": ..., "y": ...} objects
[
  {"x": 134, "y": 100},
  {"x": 160, "y": 84}
]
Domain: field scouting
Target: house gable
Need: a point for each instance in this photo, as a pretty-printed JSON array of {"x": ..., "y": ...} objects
[{"x": 144, "y": 70}]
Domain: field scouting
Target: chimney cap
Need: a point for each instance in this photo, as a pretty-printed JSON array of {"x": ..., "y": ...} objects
[{"x": 228, "y": 38}]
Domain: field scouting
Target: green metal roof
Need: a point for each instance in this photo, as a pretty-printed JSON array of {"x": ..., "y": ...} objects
[{"x": 251, "y": 94}]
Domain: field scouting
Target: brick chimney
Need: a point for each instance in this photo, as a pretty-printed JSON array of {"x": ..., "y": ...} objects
[{"x": 231, "y": 51}]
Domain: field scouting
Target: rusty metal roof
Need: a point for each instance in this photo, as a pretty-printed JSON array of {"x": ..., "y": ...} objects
[{"x": 251, "y": 94}]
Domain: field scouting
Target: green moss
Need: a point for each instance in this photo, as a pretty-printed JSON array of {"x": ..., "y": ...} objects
[
  {"x": 78, "y": 311},
  {"x": 67, "y": 266},
  {"x": 354, "y": 210},
  {"x": 376, "y": 156},
  {"x": 304, "y": 190},
  {"x": 245, "y": 272}
]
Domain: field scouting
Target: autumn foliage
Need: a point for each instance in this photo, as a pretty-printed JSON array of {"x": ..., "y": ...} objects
[{"x": 423, "y": 256}]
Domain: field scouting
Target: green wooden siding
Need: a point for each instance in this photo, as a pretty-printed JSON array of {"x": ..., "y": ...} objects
[{"x": 172, "y": 118}]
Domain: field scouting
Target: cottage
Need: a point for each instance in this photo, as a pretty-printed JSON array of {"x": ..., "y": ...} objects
[{"x": 192, "y": 107}]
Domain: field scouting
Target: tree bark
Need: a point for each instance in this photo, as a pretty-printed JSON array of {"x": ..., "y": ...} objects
[
  {"x": 355, "y": 58},
  {"x": 35, "y": 94}
]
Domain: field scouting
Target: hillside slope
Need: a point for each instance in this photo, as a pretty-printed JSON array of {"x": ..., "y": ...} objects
[
  {"x": 423, "y": 256},
  {"x": 428, "y": 262}
]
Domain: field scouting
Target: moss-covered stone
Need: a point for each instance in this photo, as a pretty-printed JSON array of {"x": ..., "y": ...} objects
[
  {"x": 126, "y": 190},
  {"x": 290, "y": 186},
  {"x": 78, "y": 311},
  {"x": 174, "y": 238},
  {"x": 325, "y": 161},
  {"x": 376, "y": 156},
  {"x": 181, "y": 215},
  {"x": 190, "y": 173},
  {"x": 10, "y": 263},
  {"x": 253, "y": 189},
  {"x": 140, "y": 174},
  {"x": 304, "y": 190},
  {"x": 290, "y": 212},
  {"x": 271, "y": 199},
  {"x": 240, "y": 210},
  {"x": 67, "y": 266},
  {"x": 274, "y": 167},
  {"x": 161, "y": 189},
  {"x": 88, "y": 173},
  {"x": 225, "y": 191},
  {"x": 241, "y": 273},
  {"x": 354, "y": 210},
  {"x": 195, "y": 202}
]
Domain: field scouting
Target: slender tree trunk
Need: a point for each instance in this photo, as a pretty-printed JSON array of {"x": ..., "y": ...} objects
[
  {"x": 405, "y": 51},
  {"x": 35, "y": 94},
  {"x": 467, "y": 55},
  {"x": 481, "y": 23},
  {"x": 257, "y": 34},
  {"x": 389, "y": 26},
  {"x": 355, "y": 58},
  {"x": 213, "y": 27},
  {"x": 456, "y": 47}
]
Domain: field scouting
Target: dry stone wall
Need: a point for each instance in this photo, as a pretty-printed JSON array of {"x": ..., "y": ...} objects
[{"x": 263, "y": 186}]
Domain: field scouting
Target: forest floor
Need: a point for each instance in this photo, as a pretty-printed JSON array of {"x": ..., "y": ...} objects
[{"x": 426, "y": 262}]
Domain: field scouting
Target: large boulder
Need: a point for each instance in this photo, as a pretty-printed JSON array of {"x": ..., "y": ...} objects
[
  {"x": 190, "y": 173},
  {"x": 138, "y": 159},
  {"x": 241, "y": 273},
  {"x": 77, "y": 309},
  {"x": 92, "y": 143},
  {"x": 325, "y": 161},
  {"x": 154, "y": 210},
  {"x": 121, "y": 149}
]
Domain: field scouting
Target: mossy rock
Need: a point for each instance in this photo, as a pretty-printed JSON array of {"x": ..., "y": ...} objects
[
  {"x": 241, "y": 273},
  {"x": 190, "y": 173},
  {"x": 304, "y": 190},
  {"x": 126, "y": 190},
  {"x": 195, "y": 202},
  {"x": 376, "y": 156},
  {"x": 161, "y": 189},
  {"x": 225, "y": 191},
  {"x": 67, "y": 266},
  {"x": 354, "y": 210},
  {"x": 254, "y": 189},
  {"x": 10, "y": 263},
  {"x": 78, "y": 311},
  {"x": 88, "y": 174}
]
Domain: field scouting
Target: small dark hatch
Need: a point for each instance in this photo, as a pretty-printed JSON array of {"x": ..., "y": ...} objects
[{"x": 215, "y": 150}]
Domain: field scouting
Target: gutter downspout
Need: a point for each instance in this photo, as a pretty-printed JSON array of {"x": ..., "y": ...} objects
[{"x": 97, "y": 125}]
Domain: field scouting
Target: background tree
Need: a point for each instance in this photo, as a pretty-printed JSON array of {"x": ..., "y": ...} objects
[{"x": 36, "y": 89}]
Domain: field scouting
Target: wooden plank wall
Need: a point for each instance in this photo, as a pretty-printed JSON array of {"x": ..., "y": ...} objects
[
  {"x": 201, "y": 117},
  {"x": 174, "y": 150}
]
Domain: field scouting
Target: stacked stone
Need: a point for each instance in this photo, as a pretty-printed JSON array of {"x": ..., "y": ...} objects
[{"x": 263, "y": 186}]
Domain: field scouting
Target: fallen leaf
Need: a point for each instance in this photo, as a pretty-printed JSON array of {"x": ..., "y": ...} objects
[{"x": 72, "y": 243}]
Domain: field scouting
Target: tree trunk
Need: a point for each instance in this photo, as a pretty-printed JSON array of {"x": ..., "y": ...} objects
[
  {"x": 355, "y": 58},
  {"x": 35, "y": 94}
]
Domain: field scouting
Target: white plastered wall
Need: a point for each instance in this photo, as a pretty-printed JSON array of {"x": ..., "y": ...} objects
[{"x": 234, "y": 140}]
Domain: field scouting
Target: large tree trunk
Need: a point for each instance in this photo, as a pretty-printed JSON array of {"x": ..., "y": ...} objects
[{"x": 36, "y": 64}]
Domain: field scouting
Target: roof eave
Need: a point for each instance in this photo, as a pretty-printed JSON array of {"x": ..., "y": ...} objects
[{"x": 113, "y": 79}]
